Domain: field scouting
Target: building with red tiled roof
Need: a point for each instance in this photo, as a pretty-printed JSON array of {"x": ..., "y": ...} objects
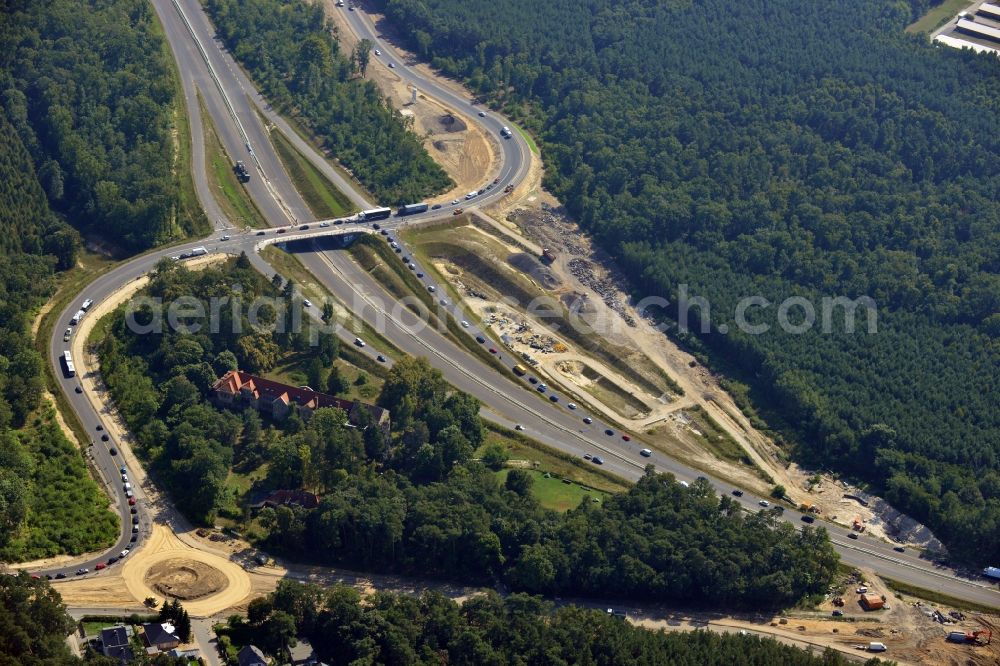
[{"x": 239, "y": 389}]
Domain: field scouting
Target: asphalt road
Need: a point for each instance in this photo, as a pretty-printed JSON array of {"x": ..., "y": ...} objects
[{"x": 229, "y": 98}]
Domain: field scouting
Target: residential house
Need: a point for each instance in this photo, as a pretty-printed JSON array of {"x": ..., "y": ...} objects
[
  {"x": 250, "y": 655},
  {"x": 115, "y": 643},
  {"x": 237, "y": 389},
  {"x": 160, "y": 636}
]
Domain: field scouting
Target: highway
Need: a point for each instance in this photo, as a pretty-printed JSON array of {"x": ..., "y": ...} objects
[{"x": 209, "y": 72}]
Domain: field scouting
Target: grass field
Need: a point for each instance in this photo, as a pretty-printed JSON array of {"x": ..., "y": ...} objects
[
  {"x": 558, "y": 494},
  {"x": 191, "y": 219},
  {"x": 936, "y": 597},
  {"x": 292, "y": 370},
  {"x": 527, "y": 137},
  {"x": 937, "y": 16},
  {"x": 543, "y": 459},
  {"x": 235, "y": 200},
  {"x": 323, "y": 199},
  {"x": 291, "y": 268}
]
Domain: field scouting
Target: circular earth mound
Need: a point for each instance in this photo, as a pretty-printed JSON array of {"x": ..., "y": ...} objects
[{"x": 185, "y": 579}]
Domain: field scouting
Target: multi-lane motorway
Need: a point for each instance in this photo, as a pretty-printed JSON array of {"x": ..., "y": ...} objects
[{"x": 235, "y": 108}]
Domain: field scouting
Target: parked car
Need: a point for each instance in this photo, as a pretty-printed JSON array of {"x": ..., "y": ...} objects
[
  {"x": 99, "y": 566},
  {"x": 131, "y": 501},
  {"x": 124, "y": 553},
  {"x": 837, "y": 612},
  {"x": 80, "y": 572}
]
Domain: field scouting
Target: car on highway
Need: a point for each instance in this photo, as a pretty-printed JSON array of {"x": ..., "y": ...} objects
[
  {"x": 112, "y": 559},
  {"x": 626, "y": 438},
  {"x": 518, "y": 427},
  {"x": 419, "y": 274},
  {"x": 303, "y": 227},
  {"x": 261, "y": 232},
  {"x": 78, "y": 388},
  {"x": 324, "y": 224},
  {"x": 282, "y": 230},
  {"x": 376, "y": 226},
  {"x": 435, "y": 206},
  {"x": 587, "y": 456},
  {"x": 124, "y": 477},
  {"x": 588, "y": 420},
  {"x": 443, "y": 301},
  {"x": 455, "y": 202},
  {"x": 359, "y": 342},
  {"x": 465, "y": 324},
  {"x": 482, "y": 114},
  {"x": 306, "y": 303},
  {"x": 133, "y": 509},
  {"x": 737, "y": 492},
  {"x": 380, "y": 358},
  {"x": 377, "y": 52},
  {"x": 392, "y": 66},
  {"x": 853, "y": 535},
  {"x": 533, "y": 380},
  {"x": 131, "y": 501},
  {"x": 493, "y": 350},
  {"x": 645, "y": 453},
  {"x": 135, "y": 520},
  {"x": 480, "y": 339},
  {"x": 80, "y": 572},
  {"x": 135, "y": 529},
  {"x": 808, "y": 519},
  {"x": 338, "y": 221},
  {"x": 67, "y": 334},
  {"x": 598, "y": 460},
  {"x": 432, "y": 289},
  {"x": 609, "y": 432},
  {"x": 412, "y": 266},
  {"x": 124, "y": 553},
  {"x": 99, "y": 566},
  {"x": 105, "y": 437},
  {"x": 554, "y": 398},
  {"x": 571, "y": 405},
  {"x": 764, "y": 503},
  {"x": 385, "y": 232},
  {"x": 899, "y": 549},
  {"x": 99, "y": 427},
  {"x": 60, "y": 576},
  {"x": 225, "y": 238},
  {"x": 135, "y": 537},
  {"x": 123, "y": 469}
]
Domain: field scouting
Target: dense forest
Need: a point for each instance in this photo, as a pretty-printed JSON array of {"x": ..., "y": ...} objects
[
  {"x": 418, "y": 502},
  {"x": 783, "y": 149},
  {"x": 292, "y": 56},
  {"x": 486, "y": 630},
  {"x": 49, "y": 505},
  {"x": 89, "y": 91}
]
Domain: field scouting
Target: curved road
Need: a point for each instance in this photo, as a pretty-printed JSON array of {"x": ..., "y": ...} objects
[{"x": 209, "y": 73}]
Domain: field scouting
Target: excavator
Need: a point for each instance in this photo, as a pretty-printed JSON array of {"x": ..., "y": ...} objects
[{"x": 981, "y": 637}]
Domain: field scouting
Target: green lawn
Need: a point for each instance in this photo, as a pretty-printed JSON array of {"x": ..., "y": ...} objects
[
  {"x": 323, "y": 199},
  {"x": 556, "y": 493},
  {"x": 527, "y": 137},
  {"x": 937, "y": 16},
  {"x": 292, "y": 370},
  {"x": 543, "y": 459},
  {"x": 235, "y": 200}
]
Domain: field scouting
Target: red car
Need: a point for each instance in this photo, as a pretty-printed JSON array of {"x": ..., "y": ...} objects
[
  {"x": 99, "y": 566},
  {"x": 131, "y": 501},
  {"x": 626, "y": 438},
  {"x": 493, "y": 350}
]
